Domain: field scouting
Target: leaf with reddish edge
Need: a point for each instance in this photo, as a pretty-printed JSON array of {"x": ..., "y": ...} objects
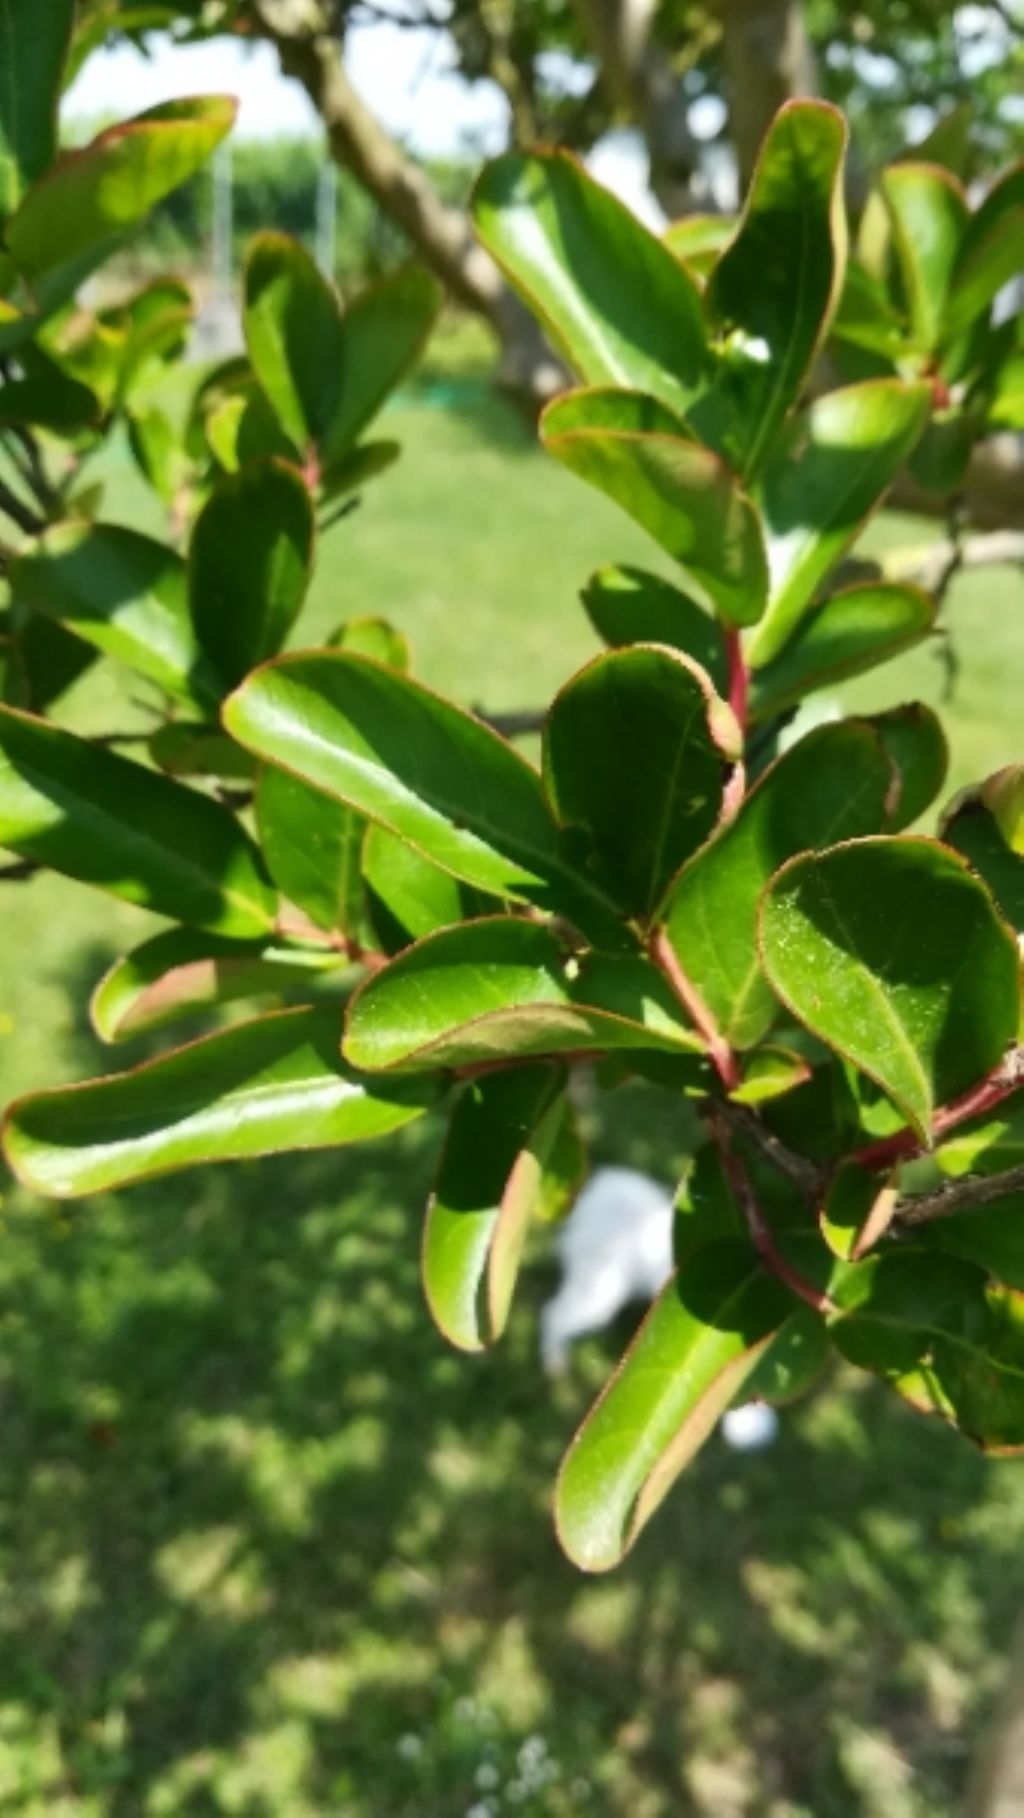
[
  {"x": 857, "y": 1211},
  {"x": 641, "y": 762},
  {"x": 249, "y": 565},
  {"x": 917, "y": 748},
  {"x": 490, "y": 1177},
  {"x": 892, "y": 953},
  {"x": 180, "y": 972},
  {"x": 292, "y": 321},
  {"x": 630, "y": 606},
  {"x": 503, "y": 988},
  {"x": 617, "y": 305},
  {"x": 768, "y": 1073},
  {"x": 263, "y": 1086},
  {"x": 702, "y": 1338}
]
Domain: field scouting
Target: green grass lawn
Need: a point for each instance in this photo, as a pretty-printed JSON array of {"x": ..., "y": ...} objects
[{"x": 268, "y": 1548}]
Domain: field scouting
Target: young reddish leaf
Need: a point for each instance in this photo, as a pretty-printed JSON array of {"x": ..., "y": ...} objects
[
  {"x": 276, "y": 1083},
  {"x": 892, "y": 953},
  {"x": 637, "y": 755},
  {"x": 702, "y": 1338}
]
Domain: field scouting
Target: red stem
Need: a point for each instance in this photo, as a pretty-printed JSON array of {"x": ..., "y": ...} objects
[
  {"x": 905, "y": 1145},
  {"x": 737, "y": 675},
  {"x": 719, "y": 1052}
]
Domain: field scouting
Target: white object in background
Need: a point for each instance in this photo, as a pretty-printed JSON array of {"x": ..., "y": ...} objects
[
  {"x": 749, "y": 1428},
  {"x": 615, "y": 1246}
]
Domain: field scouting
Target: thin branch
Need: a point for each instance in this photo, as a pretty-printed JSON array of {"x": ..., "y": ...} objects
[
  {"x": 20, "y": 871},
  {"x": 966, "y": 1195},
  {"x": 720, "y": 1054},
  {"x": 934, "y": 568},
  {"x": 513, "y": 725},
  {"x": 803, "y": 1172},
  {"x": 906, "y": 1145},
  {"x": 19, "y": 513},
  {"x": 761, "y": 1234}
]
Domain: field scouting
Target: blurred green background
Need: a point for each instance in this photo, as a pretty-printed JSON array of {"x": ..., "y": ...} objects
[{"x": 267, "y": 1547}]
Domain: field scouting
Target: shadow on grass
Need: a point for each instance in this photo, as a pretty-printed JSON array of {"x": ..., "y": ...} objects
[{"x": 268, "y": 1547}]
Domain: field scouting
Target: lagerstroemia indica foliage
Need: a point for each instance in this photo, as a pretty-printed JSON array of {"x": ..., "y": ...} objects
[{"x": 665, "y": 895}]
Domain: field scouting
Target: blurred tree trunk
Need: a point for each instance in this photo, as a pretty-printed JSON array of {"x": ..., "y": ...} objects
[
  {"x": 768, "y": 60},
  {"x": 304, "y": 33},
  {"x": 645, "y": 87}
]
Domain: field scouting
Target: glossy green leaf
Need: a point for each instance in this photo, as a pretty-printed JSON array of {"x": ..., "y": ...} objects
[
  {"x": 942, "y": 1335},
  {"x": 122, "y": 592},
  {"x": 488, "y": 1183},
  {"x": 769, "y": 1073},
  {"x": 97, "y": 817},
  {"x": 928, "y": 211},
  {"x": 986, "y": 1145},
  {"x": 892, "y": 953},
  {"x": 827, "y": 474},
  {"x": 773, "y": 290},
  {"x": 417, "y": 895},
  {"x": 1006, "y": 409},
  {"x": 991, "y": 252},
  {"x": 383, "y": 333},
  {"x": 697, "y": 240},
  {"x": 375, "y": 638},
  {"x": 613, "y": 408},
  {"x": 313, "y": 849},
  {"x": 631, "y": 606},
  {"x": 46, "y": 395},
  {"x": 249, "y": 565},
  {"x": 181, "y": 971},
  {"x": 34, "y": 41},
  {"x": 913, "y": 737},
  {"x": 292, "y": 322},
  {"x": 971, "y": 826},
  {"x": 351, "y": 471},
  {"x": 793, "y": 1361},
  {"x": 849, "y": 633},
  {"x": 504, "y": 987},
  {"x": 154, "y": 443},
  {"x": 276, "y": 1083},
  {"x": 637, "y": 755},
  {"x": 991, "y": 1236},
  {"x": 865, "y": 316},
  {"x": 616, "y": 303},
  {"x": 684, "y": 497},
  {"x": 423, "y": 768},
  {"x": 833, "y": 784},
  {"x": 86, "y": 203},
  {"x": 191, "y": 748},
  {"x": 704, "y": 1335},
  {"x": 857, "y": 1209}
]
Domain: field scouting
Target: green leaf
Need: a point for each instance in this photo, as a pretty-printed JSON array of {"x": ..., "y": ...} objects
[
  {"x": 943, "y": 1336},
  {"x": 973, "y": 828},
  {"x": 684, "y": 497},
  {"x": 313, "y": 850},
  {"x": 1006, "y": 409},
  {"x": 637, "y": 749},
  {"x": 383, "y": 333},
  {"x": 122, "y": 592},
  {"x": 857, "y": 1210},
  {"x": 827, "y": 474},
  {"x": 46, "y": 395},
  {"x": 504, "y": 987},
  {"x": 833, "y": 784},
  {"x": 488, "y": 1184},
  {"x": 190, "y": 748},
  {"x": 249, "y": 565},
  {"x": 350, "y": 472},
  {"x": 852, "y": 631},
  {"x": 43, "y": 660},
  {"x": 773, "y": 291},
  {"x": 292, "y": 323},
  {"x": 697, "y": 240},
  {"x": 991, "y": 1236},
  {"x": 180, "y": 972},
  {"x": 97, "y": 817},
  {"x": 913, "y": 737},
  {"x": 423, "y": 768},
  {"x": 374, "y": 638},
  {"x": 616, "y": 303},
  {"x": 991, "y": 252},
  {"x": 154, "y": 443},
  {"x": 613, "y": 408},
  {"x": 416, "y": 894},
  {"x": 939, "y": 462},
  {"x": 892, "y": 953},
  {"x": 276, "y": 1083},
  {"x": 793, "y": 1362},
  {"x": 631, "y": 606},
  {"x": 89, "y": 200},
  {"x": 928, "y": 212},
  {"x": 987, "y": 1145},
  {"x": 769, "y": 1073},
  {"x": 702, "y": 1338},
  {"x": 34, "y": 42}
]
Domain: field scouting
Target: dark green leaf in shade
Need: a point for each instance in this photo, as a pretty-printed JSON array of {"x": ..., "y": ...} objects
[
  {"x": 892, "y": 953},
  {"x": 616, "y": 303},
  {"x": 263, "y": 1086},
  {"x": 850, "y": 632},
  {"x": 685, "y": 497},
  {"x": 943, "y": 1335},
  {"x": 991, "y": 1236},
  {"x": 122, "y": 592},
  {"x": 180, "y": 972},
  {"x": 292, "y": 322},
  {"x": 34, "y": 39},
  {"x": 702, "y": 1338},
  {"x": 249, "y": 565},
  {"x": 697, "y": 240},
  {"x": 793, "y": 1362},
  {"x": 639, "y": 761},
  {"x": 416, "y": 895},
  {"x": 356, "y": 469},
  {"x": 489, "y": 1180},
  {"x": 928, "y": 211},
  {"x": 192, "y": 748},
  {"x": 990, "y": 254},
  {"x": 313, "y": 849},
  {"x": 856, "y": 1211},
  {"x": 986, "y": 826},
  {"x": 833, "y": 784},
  {"x": 913, "y": 737},
  {"x": 97, "y": 817},
  {"x": 768, "y": 1073},
  {"x": 383, "y": 333},
  {"x": 43, "y": 660},
  {"x": 773, "y": 291},
  {"x": 423, "y": 768},
  {"x": 630, "y": 606},
  {"x": 47, "y": 396},
  {"x": 827, "y": 474},
  {"x": 503, "y": 987}
]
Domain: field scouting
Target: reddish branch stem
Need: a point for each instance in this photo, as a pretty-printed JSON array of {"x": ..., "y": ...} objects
[
  {"x": 719, "y": 1052},
  {"x": 738, "y": 677},
  {"x": 905, "y": 1145},
  {"x": 761, "y": 1234}
]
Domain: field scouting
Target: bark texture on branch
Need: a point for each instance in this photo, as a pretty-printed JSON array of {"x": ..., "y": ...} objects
[{"x": 644, "y": 86}]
